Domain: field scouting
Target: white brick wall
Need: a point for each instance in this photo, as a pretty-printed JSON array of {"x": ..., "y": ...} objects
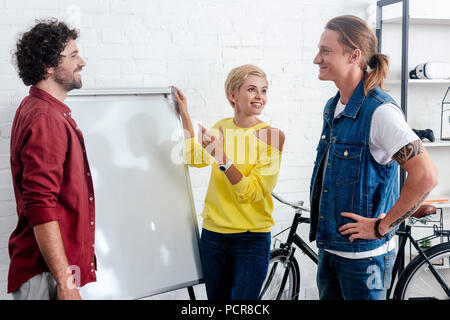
[{"x": 192, "y": 44}]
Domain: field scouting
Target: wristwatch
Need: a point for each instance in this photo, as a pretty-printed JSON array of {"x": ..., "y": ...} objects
[{"x": 225, "y": 167}]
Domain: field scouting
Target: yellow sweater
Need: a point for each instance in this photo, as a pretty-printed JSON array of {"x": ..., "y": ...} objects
[{"x": 247, "y": 205}]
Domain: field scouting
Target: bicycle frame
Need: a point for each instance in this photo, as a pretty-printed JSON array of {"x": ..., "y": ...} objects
[
  {"x": 406, "y": 235},
  {"x": 293, "y": 237}
]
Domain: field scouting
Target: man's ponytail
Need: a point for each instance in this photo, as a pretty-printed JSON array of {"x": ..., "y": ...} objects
[{"x": 379, "y": 65}]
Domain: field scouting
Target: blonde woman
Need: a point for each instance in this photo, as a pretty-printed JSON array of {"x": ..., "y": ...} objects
[{"x": 245, "y": 155}]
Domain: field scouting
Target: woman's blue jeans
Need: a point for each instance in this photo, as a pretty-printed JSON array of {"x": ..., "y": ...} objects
[{"x": 234, "y": 265}]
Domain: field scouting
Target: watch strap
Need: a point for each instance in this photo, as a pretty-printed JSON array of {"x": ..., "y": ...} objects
[
  {"x": 225, "y": 167},
  {"x": 377, "y": 231}
]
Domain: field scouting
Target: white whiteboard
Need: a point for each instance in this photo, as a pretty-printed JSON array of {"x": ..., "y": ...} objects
[{"x": 146, "y": 237}]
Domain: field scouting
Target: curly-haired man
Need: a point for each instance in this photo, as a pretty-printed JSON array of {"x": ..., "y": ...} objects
[{"x": 52, "y": 247}]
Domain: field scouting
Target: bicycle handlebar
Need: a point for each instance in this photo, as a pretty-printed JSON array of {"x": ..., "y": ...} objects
[{"x": 298, "y": 205}]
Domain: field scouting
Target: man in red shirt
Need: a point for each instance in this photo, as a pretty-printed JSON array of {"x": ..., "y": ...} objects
[{"x": 52, "y": 247}]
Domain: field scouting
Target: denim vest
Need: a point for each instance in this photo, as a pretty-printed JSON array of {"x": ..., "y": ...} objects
[{"x": 354, "y": 181}]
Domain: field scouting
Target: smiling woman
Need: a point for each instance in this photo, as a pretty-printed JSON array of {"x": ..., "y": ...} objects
[{"x": 245, "y": 155}]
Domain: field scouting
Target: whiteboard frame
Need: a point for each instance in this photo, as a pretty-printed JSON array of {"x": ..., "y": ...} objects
[
  {"x": 122, "y": 91},
  {"x": 165, "y": 91}
]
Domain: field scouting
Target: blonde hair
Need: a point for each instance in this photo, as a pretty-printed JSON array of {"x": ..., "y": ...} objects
[
  {"x": 354, "y": 33},
  {"x": 237, "y": 76}
]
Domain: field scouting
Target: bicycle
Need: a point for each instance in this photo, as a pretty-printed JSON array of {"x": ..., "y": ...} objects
[
  {"x": 283, "y": 277},
  {"x": 427, "y": 276}
]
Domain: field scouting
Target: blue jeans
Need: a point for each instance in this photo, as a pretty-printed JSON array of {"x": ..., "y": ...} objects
[
  {"x": 340, "y": 278},
  {"x": 234, "y": 265}
]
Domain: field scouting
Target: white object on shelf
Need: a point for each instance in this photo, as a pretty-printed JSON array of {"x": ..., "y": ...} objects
[{"x": 431, "y": 70}]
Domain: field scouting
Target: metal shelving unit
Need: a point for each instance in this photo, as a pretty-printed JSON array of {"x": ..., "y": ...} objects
[
  {"x": 404, "y": 78},
  {"x": 405, "y": 20}
]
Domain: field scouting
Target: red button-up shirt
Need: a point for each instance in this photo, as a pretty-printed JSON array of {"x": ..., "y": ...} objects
[{"x": 52, "y": 182}]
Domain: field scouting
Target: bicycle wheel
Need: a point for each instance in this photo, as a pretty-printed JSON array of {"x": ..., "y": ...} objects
[
  {"x": 418, "y": 282},
  {"x": 278, "y": 266}
]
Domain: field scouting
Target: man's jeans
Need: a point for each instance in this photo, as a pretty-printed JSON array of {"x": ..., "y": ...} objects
[
  {"x": 354, "y": 279},
  {"x": 234, "y": 265}
]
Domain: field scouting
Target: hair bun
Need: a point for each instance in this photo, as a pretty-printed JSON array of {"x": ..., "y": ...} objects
[{"x": 373, "y": 61}]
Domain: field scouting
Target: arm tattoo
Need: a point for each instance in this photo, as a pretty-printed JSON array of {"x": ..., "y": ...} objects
[
  {"x": 410, "y": 212},
  {"x": 409, "y": 151}
]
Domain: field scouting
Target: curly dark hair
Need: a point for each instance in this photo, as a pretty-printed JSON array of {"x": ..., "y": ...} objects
[{"x": 40, "y": 48}]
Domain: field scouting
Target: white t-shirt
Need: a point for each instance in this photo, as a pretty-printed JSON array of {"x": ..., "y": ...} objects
[{"x": 389, "y": 132}]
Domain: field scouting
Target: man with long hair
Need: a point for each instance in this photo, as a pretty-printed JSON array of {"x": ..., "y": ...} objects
[{"x": 355, "y": 200}]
